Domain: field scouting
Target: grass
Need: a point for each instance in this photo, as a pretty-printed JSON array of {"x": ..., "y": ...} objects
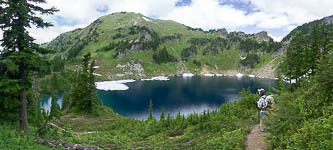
[
  {"x": 225, "y": 129},
  {"x": 120, "y": 23},
  {"x": 12, "y": 139}
]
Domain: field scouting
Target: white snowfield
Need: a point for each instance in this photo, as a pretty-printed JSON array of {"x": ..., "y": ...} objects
[
  {"x": 251, "y": 76},
  {"x": 188, "y": 75},
  {"x": 159, "y": 78},
  {"x": 113, "y": 85},
  {"x": 219, "y": 75},
  {"x": 292, "y": 81},
  {"x": 96, "y": 67},
  {"x": 209, "y": 75},
  {"x": 146, "y": 19},
  {"x": 239, "y": 75},
  {"x": 96, "y": 74}
]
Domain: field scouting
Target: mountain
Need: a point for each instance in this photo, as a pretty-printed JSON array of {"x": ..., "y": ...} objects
[
  {"x": 306, "y": 28},
  {"x": 130, "y": 45}
]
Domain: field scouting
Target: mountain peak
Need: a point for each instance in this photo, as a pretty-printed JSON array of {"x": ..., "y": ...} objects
[
  {"x": 262, "y": 36},
  {"x": 329, "y": 19}
]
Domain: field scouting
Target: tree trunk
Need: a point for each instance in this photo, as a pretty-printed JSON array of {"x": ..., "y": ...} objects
[{"x": 23, "y": 99}]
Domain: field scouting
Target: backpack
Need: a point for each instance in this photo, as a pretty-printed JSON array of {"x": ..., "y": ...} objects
[{"x": 270, "y": 101}]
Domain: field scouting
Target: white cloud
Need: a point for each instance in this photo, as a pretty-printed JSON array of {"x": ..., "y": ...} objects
[
  {"x": 276, "y": 38},
  {"x": 291, "y": 27},
  {"x": 298, "y": 11},
  {"x": 208, "y": 14},
  {"x": 283, "y": 15}
]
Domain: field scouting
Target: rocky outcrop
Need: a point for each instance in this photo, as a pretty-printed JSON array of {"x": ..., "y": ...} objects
[
  {"x": 67, "y": 146},
  {"x": 223, "y": 32},
  {"x": 241, "y": 35},
  {"x": 130, "y": 69},
  {"x": 329, "y": 19},
  {"x": 262, "y": 36}
]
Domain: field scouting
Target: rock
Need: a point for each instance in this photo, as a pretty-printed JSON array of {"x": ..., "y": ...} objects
[
  {"x": 329, "y": 19},
  {"x": 66, "y": 145},
  {"x": 45, "y": 142},
  {"x": 262, "y": 36},
  {"x": 146, "y": 35},
  {"x": 223, "y": 32},
  {"x": 91, "y": 148},
  {"x": 78, "y": 147},
  {"x": 113, "y": 146},
  {"x": 241, "y": 35}
]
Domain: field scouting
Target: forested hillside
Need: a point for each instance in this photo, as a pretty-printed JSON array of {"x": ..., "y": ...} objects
[{"x": 129, "y": 45}]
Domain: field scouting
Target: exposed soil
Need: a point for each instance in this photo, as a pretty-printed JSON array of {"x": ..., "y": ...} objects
[
  {"x": 255, "y": 140},
  {"x": 267, "y": 71}
]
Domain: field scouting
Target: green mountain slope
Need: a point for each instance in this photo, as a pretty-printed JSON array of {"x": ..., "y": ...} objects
[
  {"x": 130, "y": 45},
  {"x": 306, "y": 28}
]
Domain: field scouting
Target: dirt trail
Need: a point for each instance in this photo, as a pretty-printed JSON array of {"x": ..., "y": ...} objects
[
  {"x": 255, "y": 140},
  {"x": 76, "y": 133}
]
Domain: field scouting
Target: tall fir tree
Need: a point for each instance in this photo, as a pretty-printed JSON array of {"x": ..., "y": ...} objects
[
  {"x": 83, "y": 94},
  {"x": 55, "y": 112},
  {"x": 150, "y": 110},
  {"x": 162, "y": 115},
  {"x": 92, "y": 86},
  {"x": 16, "y": 16}
]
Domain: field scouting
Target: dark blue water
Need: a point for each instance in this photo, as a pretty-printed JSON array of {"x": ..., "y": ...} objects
[
  {"x": 184, "y": 95},
  {"x": 47, "y": 99}
]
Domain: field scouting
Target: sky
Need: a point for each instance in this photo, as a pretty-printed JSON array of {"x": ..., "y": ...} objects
[{"x": 277, "y": 17}]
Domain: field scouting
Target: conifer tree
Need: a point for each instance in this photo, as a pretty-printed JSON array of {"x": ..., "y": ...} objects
[
  {"x": 54, "y": 82},
  {"x": 92, "y": 87},
  {"x": 168, "y": 117},
  {"x": 150, "y": 110},
  {"x": 162, "y": 115},
  {"x": 16, "y": 16},
  {"x": 55, "y": 112},
  {"x": 83, "y": 94}
]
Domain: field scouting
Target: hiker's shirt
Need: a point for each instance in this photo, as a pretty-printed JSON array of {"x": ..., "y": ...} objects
[{"x": 262, "y": 103}]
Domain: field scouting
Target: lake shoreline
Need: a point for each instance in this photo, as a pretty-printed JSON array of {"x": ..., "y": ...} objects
[{"x": 228, "y": 73}]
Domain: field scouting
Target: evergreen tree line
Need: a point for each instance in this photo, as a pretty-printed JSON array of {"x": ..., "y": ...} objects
[
  {"x": 302, "y": 118},
  {"x": 20, "y": 58},
  {"x": 304, "y": 53},
  {"x": 163, "y": 56},
  {"x": 251, "y": 60},
  {"x": 249, "y": 45},
  {"x": 81, "y": 97}
]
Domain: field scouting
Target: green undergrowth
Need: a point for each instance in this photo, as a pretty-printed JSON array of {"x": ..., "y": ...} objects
[
  {"x": 13, "y": 139},
  {"x": 222, "y": 129}
]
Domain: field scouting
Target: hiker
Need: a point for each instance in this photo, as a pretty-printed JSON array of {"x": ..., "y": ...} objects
[{"x": 262, "y": 105}]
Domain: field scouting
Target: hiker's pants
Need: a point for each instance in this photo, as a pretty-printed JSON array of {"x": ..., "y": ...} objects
[{"x": 262, "y": 117}]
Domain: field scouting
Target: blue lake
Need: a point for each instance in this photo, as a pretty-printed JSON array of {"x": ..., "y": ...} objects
[{"x": 180, "y": 94}]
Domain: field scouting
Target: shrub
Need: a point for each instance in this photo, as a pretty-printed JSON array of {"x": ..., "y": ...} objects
[{"x": 163, "y": 56}]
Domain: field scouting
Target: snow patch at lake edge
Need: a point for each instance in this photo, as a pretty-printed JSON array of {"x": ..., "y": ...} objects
[
  {"x": 188, "y": 75},
  {"x": 239, "y": 75},
  {"x": 209, "y": 75},
  {"x": 251, "y": 76},
  {"x": 159, "y": 78},
  {"x": 113, "y": 85}
]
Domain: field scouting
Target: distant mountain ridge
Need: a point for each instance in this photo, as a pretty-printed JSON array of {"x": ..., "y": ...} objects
[{"x": 120, "y": 41}]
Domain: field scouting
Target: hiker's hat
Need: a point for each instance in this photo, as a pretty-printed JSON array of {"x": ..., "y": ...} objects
[{"x": 261, "y": 91}]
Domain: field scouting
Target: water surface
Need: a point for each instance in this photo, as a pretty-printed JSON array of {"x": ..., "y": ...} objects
[
  {"x": 184, "y": 95},
  {"x": 180, "y": 94}
]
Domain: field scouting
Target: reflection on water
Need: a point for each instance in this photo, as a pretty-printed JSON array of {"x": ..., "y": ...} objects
[
  {"x": 47, "y": 99},
  {"x": 184, "y": 95}
]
